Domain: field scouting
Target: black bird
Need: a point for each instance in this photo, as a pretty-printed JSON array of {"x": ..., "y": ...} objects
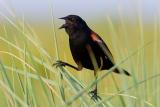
[{"x": 87, "y": 48}]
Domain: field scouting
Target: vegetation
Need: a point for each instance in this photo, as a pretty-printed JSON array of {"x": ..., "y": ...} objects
[{"x": 27, "y": 78}]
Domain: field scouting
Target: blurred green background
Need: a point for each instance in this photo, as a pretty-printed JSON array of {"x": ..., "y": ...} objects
[{"x": 30, "y": 42}]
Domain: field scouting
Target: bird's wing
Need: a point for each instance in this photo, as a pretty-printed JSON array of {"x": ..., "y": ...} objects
[{"x": 96, "y": 38}]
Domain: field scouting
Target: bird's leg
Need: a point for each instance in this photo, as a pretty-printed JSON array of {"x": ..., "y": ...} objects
[
  {"x": 61, "y": 63},
  {"x": 96, "y": 68},
  {"x": 94, "y": 92}
]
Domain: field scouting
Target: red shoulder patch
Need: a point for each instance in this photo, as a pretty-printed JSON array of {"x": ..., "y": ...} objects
[{"x": 95, "y": 37}]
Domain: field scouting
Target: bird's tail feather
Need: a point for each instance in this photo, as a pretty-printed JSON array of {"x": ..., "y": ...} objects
[{"x": 122, "y": 71}]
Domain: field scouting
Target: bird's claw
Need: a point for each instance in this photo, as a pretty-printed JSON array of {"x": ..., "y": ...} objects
[
  {"x": 94, "y": 95},
  {"x": 58, "y": 63}
]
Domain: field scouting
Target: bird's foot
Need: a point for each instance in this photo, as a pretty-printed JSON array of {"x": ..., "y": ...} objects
[
  {"x": 94, "y": 95},
  {"x": 59, "y": 63}
]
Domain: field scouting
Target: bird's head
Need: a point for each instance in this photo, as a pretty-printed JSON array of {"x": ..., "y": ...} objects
[{"x": 73, "y": 22}]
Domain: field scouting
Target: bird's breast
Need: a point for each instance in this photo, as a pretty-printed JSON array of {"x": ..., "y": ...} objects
[{"x": 77, "y": 46}]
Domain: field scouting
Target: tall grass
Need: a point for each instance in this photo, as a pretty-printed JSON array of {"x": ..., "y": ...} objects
[{"x": 29, "y": 80}]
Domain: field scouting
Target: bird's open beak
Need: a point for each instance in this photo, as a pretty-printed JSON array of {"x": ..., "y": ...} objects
[{"x": 64, "y": 25}]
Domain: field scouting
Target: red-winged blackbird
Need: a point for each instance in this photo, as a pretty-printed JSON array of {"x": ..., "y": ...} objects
[{"x": 87, "y": 48}]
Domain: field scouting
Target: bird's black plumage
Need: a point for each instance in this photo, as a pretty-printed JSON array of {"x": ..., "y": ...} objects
[{"x": 84, "y": 41}]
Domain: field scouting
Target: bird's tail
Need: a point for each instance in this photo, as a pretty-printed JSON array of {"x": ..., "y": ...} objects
[{"x": 122, "y": 71}]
